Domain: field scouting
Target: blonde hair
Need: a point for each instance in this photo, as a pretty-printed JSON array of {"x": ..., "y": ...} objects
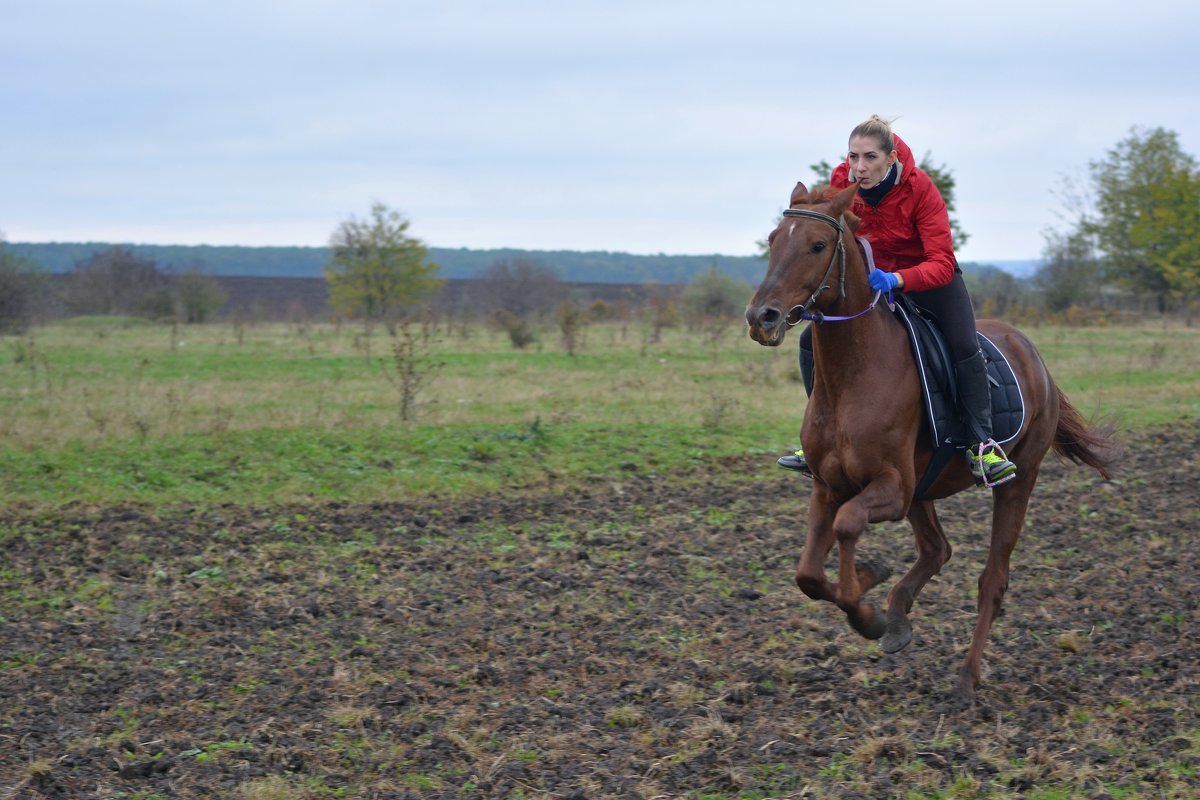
[{"x": 878, "y": 128}]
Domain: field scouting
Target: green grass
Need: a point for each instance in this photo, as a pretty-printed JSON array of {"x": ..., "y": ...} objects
[
  {"x": 110, "y": 410},
  {"x": 1139, "y": 375}
]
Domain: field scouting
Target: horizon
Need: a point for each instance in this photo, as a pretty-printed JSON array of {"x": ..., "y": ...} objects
[{"x": 1018, "y": 267}]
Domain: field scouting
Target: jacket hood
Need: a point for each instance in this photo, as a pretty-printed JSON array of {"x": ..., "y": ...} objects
[{"x": 905, "y": 157}]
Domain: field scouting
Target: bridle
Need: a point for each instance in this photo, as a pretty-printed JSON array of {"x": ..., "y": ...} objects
[{"x": 838, "y": 260}]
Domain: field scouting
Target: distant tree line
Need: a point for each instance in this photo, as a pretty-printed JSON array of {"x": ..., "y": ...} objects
[{"x": 453, "y": 263}]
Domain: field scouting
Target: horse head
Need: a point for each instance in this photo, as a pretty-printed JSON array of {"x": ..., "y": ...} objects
[{"x": 807, "y": 248}]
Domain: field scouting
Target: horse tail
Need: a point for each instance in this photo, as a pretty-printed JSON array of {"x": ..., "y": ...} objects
[{"x": 1076, "y": 441}]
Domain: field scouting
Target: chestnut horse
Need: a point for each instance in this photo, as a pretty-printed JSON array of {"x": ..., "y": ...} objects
[{"x": 865, "y": 436}]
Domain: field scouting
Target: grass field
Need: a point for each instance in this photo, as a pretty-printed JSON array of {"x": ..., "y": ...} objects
[{"x": 102, "y": 410}]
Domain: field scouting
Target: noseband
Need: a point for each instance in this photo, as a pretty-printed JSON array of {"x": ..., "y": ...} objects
[{"x": 839, "y": 261}]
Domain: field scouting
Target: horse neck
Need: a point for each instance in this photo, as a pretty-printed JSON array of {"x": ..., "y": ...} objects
[{"x": 859, "y": 349}]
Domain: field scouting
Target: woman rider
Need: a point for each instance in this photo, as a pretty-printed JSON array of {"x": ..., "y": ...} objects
[{"x": 905, "y": 218}]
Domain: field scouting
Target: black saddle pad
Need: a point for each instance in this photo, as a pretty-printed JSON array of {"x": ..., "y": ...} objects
[{"x": 939, "y": 388}]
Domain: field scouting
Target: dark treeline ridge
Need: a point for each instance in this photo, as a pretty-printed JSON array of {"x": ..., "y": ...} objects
[
  {"x": 272, "y": 298},
  {"x": 456, "y": 264}
]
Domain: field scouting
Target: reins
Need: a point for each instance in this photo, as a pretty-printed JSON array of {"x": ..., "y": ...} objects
[{"x": 838, "y": 260}]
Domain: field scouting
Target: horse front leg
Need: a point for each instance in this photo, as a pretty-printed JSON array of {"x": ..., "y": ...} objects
[
  {"x": 933, "y": 551},
  {"x": 845, "y": 524},
  {"x": 1009, "y": 504},
  {"x": 810, "y": 572},
  {"x": 856, "y": 578}
]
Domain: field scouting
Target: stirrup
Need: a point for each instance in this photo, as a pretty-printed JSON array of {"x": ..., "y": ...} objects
[{"x": 989, "y": 465}]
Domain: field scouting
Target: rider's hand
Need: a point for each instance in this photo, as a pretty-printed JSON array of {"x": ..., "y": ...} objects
[{"x": 883, "y": 281}]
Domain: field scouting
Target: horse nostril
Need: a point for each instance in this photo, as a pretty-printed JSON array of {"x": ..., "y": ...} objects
[{"x": 763, "y": 317}]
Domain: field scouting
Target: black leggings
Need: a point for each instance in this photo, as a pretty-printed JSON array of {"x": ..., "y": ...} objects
[{"x": 951, "y": 306}]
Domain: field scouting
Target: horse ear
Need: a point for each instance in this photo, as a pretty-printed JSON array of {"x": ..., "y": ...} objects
[
  {"x": 799, "y": 195},
  {"x": 843, "y": 199}
]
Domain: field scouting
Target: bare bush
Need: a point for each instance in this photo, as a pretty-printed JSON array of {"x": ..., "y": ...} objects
[
  {"x": 413, "y": 364},
  {"x": 115, "y": 281}
]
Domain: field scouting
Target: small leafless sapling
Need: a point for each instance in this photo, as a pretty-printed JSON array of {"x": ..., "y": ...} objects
[{"x": 413, "y": 364}]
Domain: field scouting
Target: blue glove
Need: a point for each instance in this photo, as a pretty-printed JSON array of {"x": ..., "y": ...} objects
[{"x": 883, "y": 281}]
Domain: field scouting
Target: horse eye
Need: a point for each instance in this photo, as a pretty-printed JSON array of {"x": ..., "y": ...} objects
[{"x": 818, "y": 247}]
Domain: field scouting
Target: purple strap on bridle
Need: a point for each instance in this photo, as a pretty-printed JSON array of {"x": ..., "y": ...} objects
[
  {"x": 838, "y": 259},
  {"x": 818, "y": 317}
]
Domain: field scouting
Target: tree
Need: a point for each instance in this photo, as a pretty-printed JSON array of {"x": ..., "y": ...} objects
[
  {"x": 200, "y": 296},
  {"x": 524, "y": 286},
  {"x": 994, "y": 292},
  {"x": 823, "y": 170},
  {"x": 1170, "y": 231},
  {"x": 1071, "y": 270},
  {"x": 22, "y": 287},
  {"x": 943, "y": 178},
  {"x": 518, "y": 290},
  {"x": 115, "y": 281},
  {"x": 572, "y": 321},
  {"x": 714, "y": 296},
  {"x": 1146, "y": 219},
  {"x": 713, "y": 301},
  {"x": 376, "y": 270}
]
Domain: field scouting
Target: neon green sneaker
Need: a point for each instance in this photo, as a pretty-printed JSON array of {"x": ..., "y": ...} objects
[
  {"x": 796, "y": 462},
  {"x": 989, "y": 465}
]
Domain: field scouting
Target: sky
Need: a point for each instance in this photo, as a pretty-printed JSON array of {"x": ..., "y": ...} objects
[{"x": 634, "y": 126}]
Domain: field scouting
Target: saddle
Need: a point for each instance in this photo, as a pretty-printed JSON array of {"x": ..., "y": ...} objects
[{"x": 939, "y": 390}]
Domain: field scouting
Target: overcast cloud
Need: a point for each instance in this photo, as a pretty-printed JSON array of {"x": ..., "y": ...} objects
[{"x": 643, "y": 127}]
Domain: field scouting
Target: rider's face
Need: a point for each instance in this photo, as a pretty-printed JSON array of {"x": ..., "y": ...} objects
[{"x": 867, "y": 162}]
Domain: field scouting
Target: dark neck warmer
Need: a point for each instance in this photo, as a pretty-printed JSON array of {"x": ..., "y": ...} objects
[{"x": 876, "y": 193}]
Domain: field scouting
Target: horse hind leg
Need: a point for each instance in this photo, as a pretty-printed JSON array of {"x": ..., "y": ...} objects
[
  {"x": 933, "y": 551},
  {"x": 1009, "y": 504}
]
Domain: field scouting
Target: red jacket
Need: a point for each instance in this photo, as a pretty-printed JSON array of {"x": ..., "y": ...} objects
[{"x": 909, "y": 230}]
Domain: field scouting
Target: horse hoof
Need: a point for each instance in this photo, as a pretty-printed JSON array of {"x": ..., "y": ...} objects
[
  {"x": 872, "y": 630},
  {"x": 965, "y": 690},
  {"x": 897, "y": 637}
]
